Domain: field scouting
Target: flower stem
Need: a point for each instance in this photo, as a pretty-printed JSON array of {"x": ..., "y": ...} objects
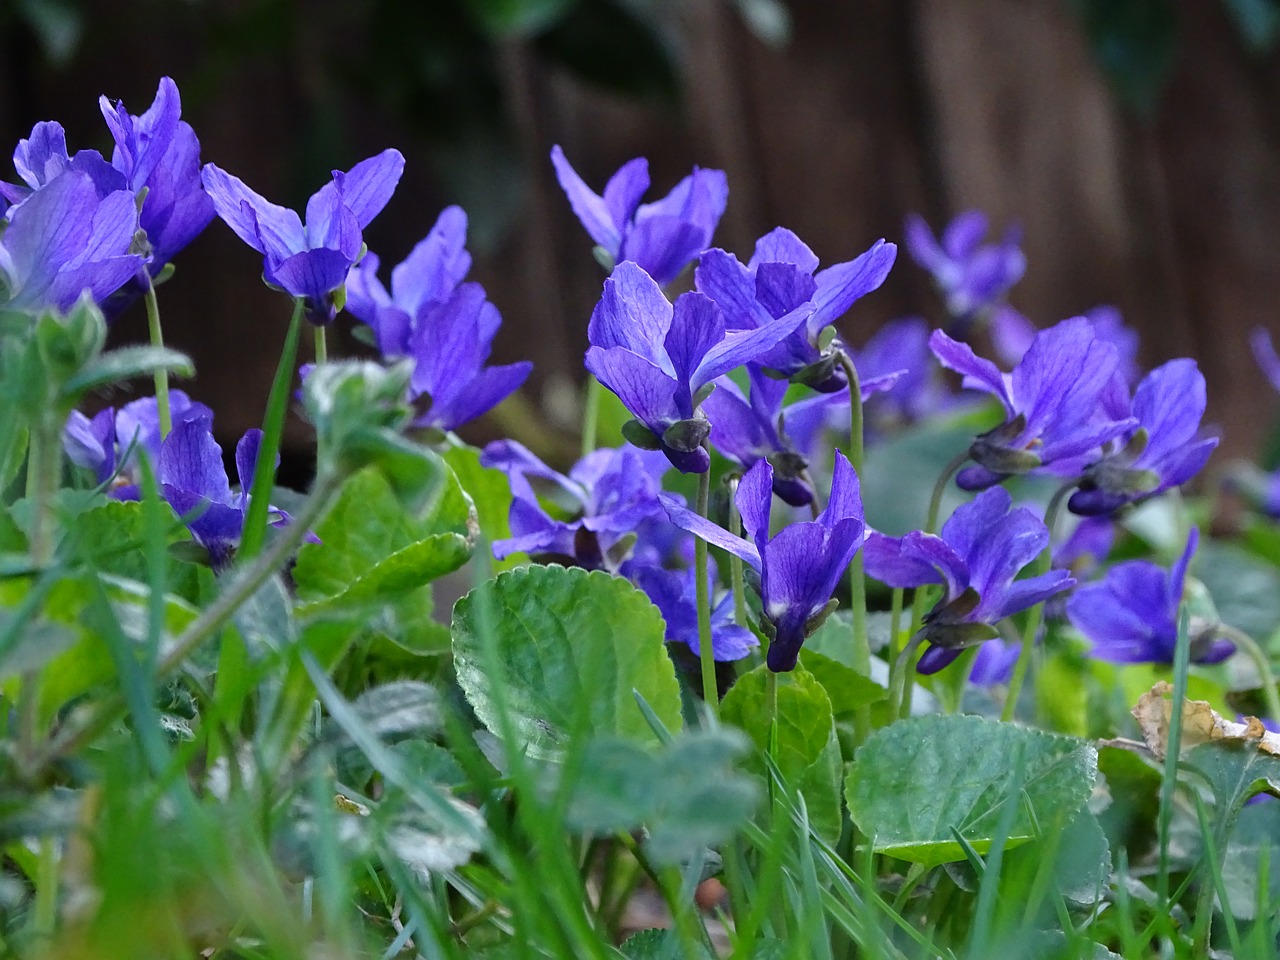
[
  {"x": 735, "y": 561},
  {"x": 591, "y": 414},
  {"x": 706, "y": 655},
  {"x": 161, "y": 373},
  {"x": 1260, "y": 660},
  {"x": 255, "y": 521},
  {"x": 1036, "y": 614},
  {"x": 857, "y": 580},
  {"x": 895, "y": 641},
  {"x": 322, "y": 347},
  {"x": 918, "y": 598}
]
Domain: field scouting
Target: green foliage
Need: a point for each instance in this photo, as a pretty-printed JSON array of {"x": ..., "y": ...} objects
[
  {"x": 916, "y": 783},
  {"x": 803, "y": 748},
  {"x": 686, "y": 794},
  {"x": 562, "y": 650}
]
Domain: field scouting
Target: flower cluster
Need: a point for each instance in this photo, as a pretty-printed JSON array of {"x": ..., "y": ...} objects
[{"x": 745, "y": 375}]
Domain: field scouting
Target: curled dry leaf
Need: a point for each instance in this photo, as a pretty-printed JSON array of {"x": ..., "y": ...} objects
[{"x": 1200, "y": 724}]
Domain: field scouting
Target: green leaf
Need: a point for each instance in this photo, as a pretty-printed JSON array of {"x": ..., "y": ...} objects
[
  {"x": 1235, "y": 770},
  {"x": 1256, "y": 834},
  {"x": 808, "y": 753},
  {"x": 126, "y": 363},
  {"x": 898, "y": 481},
  {"x": 847, "y": 688},
  {"x": 564, "y": 649},
  {"x": 401, "y": 708},
  {"x": 1082, "y": 859},
  {"x": 489, "y": 490},
  {"x": 403, "y": 572},
  {"x": 687, "y": 794},
  {"x": 371, "y": 551},
  {"x": 915, "y": 781},
  {"x": 87, "y": 661},
  {"x": 1245, "y": 590},
  {"x": 657, "y": 944}
]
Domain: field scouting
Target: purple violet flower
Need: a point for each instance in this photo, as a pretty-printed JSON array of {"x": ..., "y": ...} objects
[
  {"x": 42, "y": 157},
  {"x": 309, "y": 261},
  {"x": 1160, "y": 452},
  {"x": 607, "y": 494},
  {"x": 1131, "y": 615},
  {"x": 778, "y": 280},
  {"x": 446, "y": 326},
  {"x": 1053, "y": 401},
  {"x": 971, "y": 276},
  {"x": 1012, "y": 333},
  {"x": 423, "y": 280},
  {"x": 159, "y": 152},
  {"x": 674, "y": 593},
  {"x": 194, "y": 482},
  {"x": 982, "y": 548},
  {"x": 800, "y": 567},
  {"x": 64, "y": 240},
  {"x": 661, "y": 360},
  {"x": 747, "y": 430},
  {"x": 109, "y": 444},
  {"x": 661, "y": 237}
]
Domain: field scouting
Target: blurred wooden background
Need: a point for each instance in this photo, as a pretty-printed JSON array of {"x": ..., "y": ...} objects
[{"x": 872, "y": 110}]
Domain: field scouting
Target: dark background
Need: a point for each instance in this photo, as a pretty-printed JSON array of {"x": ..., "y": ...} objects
[{"x": 1136, "y": 141}]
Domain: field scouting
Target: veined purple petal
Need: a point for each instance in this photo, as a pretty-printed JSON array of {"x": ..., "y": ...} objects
[
  {"x": 914, "y": 560},
  {"x": 191, "y": 461},
  {"x": 590, "y": 209},
  {"x": 1178, "y": 575},
  {"x": 625, "y": 188},
  {"x": 313, "y": 275},
  {"x": 780, "y": 245},
  {"x": 633, "y": 314},
  {"x": 1024, "y": 594},
  {"x": 696, "y": 328},
  {"x": 845, "y": 501},
  {"x": 843, "y": 283},
  {"x": 740, "y": 346},
  {"x": 699, "y": 198},
  {"x": 247, "y": 459},
  {"x": 368, "y": 186},
  {"x": 781, "y": 287},
  {"x": 435, "y": 266},
  {"x": 726, "y": 281},
  {"x": 1170, "y": 402},
  {"x": 486, "y": 390},
  {"x": 663, "y": 246},
  {"x": 644, "y": 388},
  {"x": 270, "y": 229},
  {"x": 686, "y": 519},
  {"x": 979, "y": 373},
  {"x": 755, "y": 502}
]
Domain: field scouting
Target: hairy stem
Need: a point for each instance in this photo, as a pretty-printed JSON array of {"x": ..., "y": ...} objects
[
  {"x": 1036, "y": 614},
  {"x": 857, "y": 580},
  {"x": 706, "y": 655},
  {"x": 161, "y": 373}
]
